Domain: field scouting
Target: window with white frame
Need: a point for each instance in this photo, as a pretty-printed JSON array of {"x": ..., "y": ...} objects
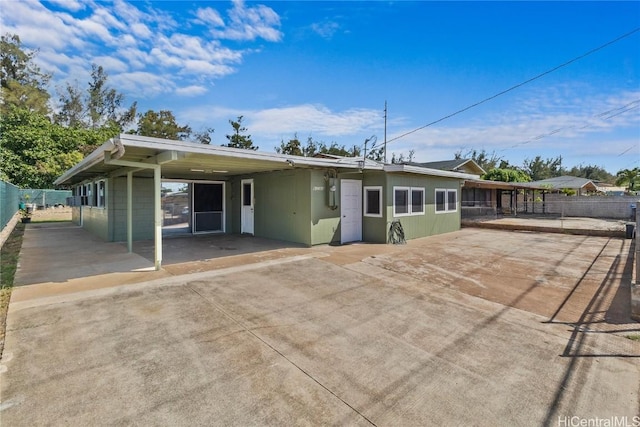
[
  {"x": 446, "y": 200},
  {"x": 373, "y": 201},
  {"x": 408, "y": 201}
]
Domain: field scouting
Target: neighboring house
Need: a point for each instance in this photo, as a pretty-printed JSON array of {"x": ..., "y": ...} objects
[
  {"x": 611, "y": 190},
  {"x": 118, "y": 194},
  {"x": 457, "y": 165},
  {"x": 580, "y": 185}
]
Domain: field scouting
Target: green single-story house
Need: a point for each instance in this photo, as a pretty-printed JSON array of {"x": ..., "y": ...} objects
[{"x": 118, "y": 194}]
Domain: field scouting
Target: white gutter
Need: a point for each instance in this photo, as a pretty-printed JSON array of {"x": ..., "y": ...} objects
[{"x": 428, "y": 171}]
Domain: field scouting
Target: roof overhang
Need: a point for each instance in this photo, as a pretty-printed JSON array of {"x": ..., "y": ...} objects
[
  {"x": 182, "y": 160},
  {"x": 501, "y": 185}
]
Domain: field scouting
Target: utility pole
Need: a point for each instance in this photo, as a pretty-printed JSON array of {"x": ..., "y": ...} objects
[{"x": 385, "y": 131}]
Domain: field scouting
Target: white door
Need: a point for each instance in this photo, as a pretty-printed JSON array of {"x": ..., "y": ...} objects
[
  {"x": 247, "y": 206},
  {"x": 350, "y": 210}
]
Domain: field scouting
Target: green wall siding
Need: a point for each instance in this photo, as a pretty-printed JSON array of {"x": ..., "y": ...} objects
[
  {"x": 430, "y": 223},
  {"x": 375, "y": 229},
  {"x": 324, "y": 222},
  {"x": 143, "y": 207},
  {"x": 96, "y": 220},
  {"x": 282, "y": 205},
  {"x": 289, "y": 205}
]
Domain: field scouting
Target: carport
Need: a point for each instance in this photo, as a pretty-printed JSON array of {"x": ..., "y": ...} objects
[
  {"x": 482, "y": 197},
  {"x": 104, "y": 203}
]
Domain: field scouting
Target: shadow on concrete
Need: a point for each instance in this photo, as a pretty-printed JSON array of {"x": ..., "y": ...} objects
[
  {"x": 183, "y": 248},
  {"x": 60, "y": 252},
  {"x": 619, "y": 311},
  {"x": 581, "y": 346}
]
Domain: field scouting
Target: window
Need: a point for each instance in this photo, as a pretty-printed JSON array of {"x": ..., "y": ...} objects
[
  {"x": 101, "y": 194},
  {"x": 373, "y": 201},
  {"x": 417, "y": 200},
  {"x": 87, "y": 194},
  {"x": 452, "y": 200},
  {"x": 446, "y": 200},
  {"x": 408, "y": 201}
]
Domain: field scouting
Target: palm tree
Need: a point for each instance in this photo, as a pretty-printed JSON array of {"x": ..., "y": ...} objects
[{"x": 629, "y": 177}]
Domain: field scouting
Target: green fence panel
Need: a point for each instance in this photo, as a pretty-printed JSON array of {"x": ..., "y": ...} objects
[
  {"x": 11, "y": 197},
  {"x": 9, "y": 201},
  {"x": 45, "y": 198}
]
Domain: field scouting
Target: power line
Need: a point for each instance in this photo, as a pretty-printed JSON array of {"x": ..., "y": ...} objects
[
  {"x": 577, "y": 58},
  {"x": 605, "y": 115}
]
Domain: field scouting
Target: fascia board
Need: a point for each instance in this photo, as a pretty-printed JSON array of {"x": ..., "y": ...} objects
[
  {"x": 195, "y": 148},
  {"x": 428, "y": 171}
]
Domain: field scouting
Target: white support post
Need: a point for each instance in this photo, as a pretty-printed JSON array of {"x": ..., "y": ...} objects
[
  {"x": 157, "y": 181},
  {"x": 130, "y": 212}
]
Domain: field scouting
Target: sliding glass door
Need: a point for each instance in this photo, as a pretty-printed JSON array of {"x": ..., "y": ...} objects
[{"x": 208, "y": 207}]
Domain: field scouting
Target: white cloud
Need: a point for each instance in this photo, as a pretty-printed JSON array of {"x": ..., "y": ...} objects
[
  {"x": 72, "y": 5},
  {"x": 142, "y": 84},
  {"x": 140, "y": 30},
  {"x": 325, "y": 29},
  {"x": 250, "y": 23},
  {"x": 308, "y": 119},
  {"x": 124, "y": 36},
  {"x": 209, "y": 16},
  {"x": 551, "y": 123},
  {"x": 111, "y": 64},
  {"x": 193, "y": 90},
  {"x": 193, "y": 56}
]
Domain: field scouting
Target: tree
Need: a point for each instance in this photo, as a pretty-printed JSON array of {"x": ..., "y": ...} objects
[
  {"x": 237, "y": 139},
  {"x": 506, "y": 175},
  {"x": 72, "y": 112},
  {"x": 629, "y": 178},
  {"x": 204, "y": 137},
  {"x": 592, "y": 172},
  {"x": 400, "y": 158},
  {"x": 292, "y": 148},
  {"x": 99, "y": 106},
  {"x": 486, "y": 161},
  {"x": 36, "y": 151},
  {"x": 161, "y": 125},
  {"x": 22, "y": 83},
  {"x": 539, "y": 169},
  {"x": 377, "y": 154}
]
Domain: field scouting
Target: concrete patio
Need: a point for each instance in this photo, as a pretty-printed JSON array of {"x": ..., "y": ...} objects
[{"x": 478, "y": 327}]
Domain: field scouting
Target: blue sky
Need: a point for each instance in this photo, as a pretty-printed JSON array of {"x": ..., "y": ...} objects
[{"x": 325, "y": 70}]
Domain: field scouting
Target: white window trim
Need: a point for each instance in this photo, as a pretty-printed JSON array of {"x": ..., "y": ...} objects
[
  {"x": 365, "y": 200},
  {"x": 446, "y": 192},
  {"x": 410, "y": 191}
]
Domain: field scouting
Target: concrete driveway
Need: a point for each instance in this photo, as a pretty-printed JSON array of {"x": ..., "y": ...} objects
[{"x": 475, "y": 327}]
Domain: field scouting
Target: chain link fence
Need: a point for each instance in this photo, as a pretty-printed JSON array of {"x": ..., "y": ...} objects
[{"x": 13, "y": 197}]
